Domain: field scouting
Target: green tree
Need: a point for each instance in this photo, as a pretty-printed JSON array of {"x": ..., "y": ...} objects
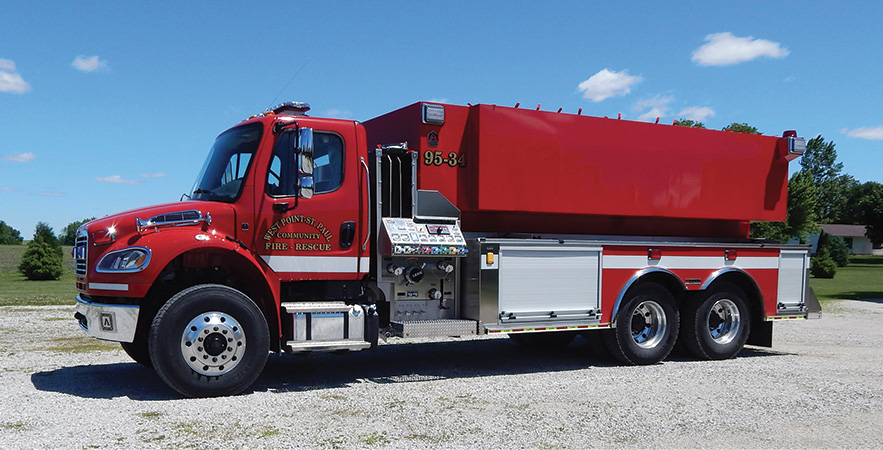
[
  {"x": 801, "y": 216},
  {"x": 44, "y": 232},
  {"x": 865, "y": 207},
  {"x": 741, "y": 128},
  {"x": 40, "y": 261},
  {"x": 820, "y": 161},
  {"x": 68, "y": 234},
  {"x": 689, "y": 123},
  {"x": 9, "y": 235}
]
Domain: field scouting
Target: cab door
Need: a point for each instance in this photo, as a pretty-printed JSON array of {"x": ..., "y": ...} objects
[{"x": 315, "y": 238}]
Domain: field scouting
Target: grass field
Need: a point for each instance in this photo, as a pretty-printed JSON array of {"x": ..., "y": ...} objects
[
  {"x": 16, "y": 290},
  {"x": 861, "y": 279}
]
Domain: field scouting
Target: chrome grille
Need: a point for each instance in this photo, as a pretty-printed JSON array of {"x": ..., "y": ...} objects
[{"x": 81, "y": 254}]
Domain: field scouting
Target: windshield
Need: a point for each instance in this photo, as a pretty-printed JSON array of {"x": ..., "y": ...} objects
[{"x": 227, "y": 165}]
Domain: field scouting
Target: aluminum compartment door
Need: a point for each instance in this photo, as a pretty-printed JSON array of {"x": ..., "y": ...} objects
[
  {"x": 793, "y": 265},
  {"x": 535, "y": 281}
]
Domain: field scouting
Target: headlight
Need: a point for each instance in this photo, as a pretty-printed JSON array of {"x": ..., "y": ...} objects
[{"x": 133, "y": 259}]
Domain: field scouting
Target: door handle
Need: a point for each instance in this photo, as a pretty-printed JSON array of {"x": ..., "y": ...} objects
[{"x": 347, "y": 234}]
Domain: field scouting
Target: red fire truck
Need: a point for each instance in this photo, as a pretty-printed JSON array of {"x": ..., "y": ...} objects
[{"x": 305, "y": 234}]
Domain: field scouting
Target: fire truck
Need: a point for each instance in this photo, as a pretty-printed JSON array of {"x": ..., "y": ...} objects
[{"x": 306, "y": 234}]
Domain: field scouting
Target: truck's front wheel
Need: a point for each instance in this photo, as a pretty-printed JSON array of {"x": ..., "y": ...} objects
[{"x": 209, "y": 340}]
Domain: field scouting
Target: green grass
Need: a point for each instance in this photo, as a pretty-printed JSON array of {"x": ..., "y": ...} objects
[
  {"x": 15, "y": 290},
  {"x": 862, "y": 279}
]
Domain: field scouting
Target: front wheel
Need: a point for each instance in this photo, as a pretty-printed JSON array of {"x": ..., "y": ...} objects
[
  {"x": 716, "y": 325},
  {"x": 646, "y": 326},
  {"x": 209, "y": 340}
]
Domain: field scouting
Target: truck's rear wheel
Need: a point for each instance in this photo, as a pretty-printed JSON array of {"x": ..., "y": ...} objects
[
  {"x": 209, "y": 340},
  {"x": 717, "y": 324},
  {"x": 646, "y": 326}
]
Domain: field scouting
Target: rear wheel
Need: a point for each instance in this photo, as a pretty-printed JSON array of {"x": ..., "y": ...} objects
[
  {"x": 646, "y": 326},
  {"x": 209, "y": 340},
  {"x": 716, "y": 325}
]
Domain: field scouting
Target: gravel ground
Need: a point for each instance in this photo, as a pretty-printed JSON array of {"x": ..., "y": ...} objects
[{"x": 819, "y": 387}]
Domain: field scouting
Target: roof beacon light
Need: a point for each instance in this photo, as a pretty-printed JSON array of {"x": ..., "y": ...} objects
[{"x": 292, "y": 109}]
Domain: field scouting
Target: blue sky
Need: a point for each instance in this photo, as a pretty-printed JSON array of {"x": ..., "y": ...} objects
[{"x": 109, "y": 106}]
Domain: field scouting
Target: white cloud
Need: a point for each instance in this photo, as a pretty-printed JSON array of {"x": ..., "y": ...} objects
[
  {"x": 6, "y": 189},
  {"x": 723, "y": 49},
  {"x": 658, "y": 107},
  {"x": 88, "y": 63},
  {"x": 19, "y": 158},
  {"x": 606, "y": 84},
  {"x": 869, "y": 133},
  {"x": 51, "y": 194},
  {"x": 10, "y": 81},
  {"x": 153, "y": 175},
  {"x": 697, "y": 113},
  {"x": 116, "y": 179},
  {"x": 337, "y": 114}
]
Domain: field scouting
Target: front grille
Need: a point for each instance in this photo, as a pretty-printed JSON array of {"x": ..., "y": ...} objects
[{"x": 81, "y": 255}]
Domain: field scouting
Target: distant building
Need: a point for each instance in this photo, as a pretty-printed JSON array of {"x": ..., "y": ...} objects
[{"x": 854, "y": 235}]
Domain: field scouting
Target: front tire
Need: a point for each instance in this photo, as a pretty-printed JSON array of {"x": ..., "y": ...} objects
[
  {"x": 646, "y": 326},
  {"x": 716, "y": 325},
  {"x": 209, "y": 340},
  {"x": 137, "y": 350}
]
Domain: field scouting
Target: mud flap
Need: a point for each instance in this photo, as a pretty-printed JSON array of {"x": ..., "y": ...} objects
[{"x": 813, "y": 307}]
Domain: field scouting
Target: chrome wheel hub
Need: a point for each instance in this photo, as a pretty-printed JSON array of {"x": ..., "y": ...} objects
[
  {"x": 648, "y": 325},
  {"x": 724, "y": 321},
  {"x": 213, "y": 343}
]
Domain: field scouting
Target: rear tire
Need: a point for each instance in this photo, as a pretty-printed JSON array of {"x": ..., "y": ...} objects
[
  {"x": 646, "y": 326},
  {"x": 717, "y": 324},
  {"x": 209, "y": 340}
]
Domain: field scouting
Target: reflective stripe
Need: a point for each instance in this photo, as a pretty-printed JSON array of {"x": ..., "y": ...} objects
[
  {"x": 529, "y": 330},
  {"x": 109, "y": 286},
  {"x": 316, "y": 264},
  {"x": 688, "y": 262}
]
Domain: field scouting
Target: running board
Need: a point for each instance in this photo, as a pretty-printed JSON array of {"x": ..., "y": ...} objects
[{"x": 325, "y": 346}]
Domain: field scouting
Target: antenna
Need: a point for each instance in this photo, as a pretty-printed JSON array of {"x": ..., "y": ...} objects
[{"x": 273, "y": 103}]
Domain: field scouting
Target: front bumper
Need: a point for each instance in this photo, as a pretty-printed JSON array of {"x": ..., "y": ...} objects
[{"x": 108, "y": 322}]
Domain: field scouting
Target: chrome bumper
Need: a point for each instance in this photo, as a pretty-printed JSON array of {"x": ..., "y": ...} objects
[{"x": 108, "y": 322}]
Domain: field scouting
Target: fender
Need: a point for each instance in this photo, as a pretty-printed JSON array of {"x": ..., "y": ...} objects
[{"x": 639, "y": 275}]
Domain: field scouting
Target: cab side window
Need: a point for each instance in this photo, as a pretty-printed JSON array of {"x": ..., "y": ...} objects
[{"x": 327, "y": 165}]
